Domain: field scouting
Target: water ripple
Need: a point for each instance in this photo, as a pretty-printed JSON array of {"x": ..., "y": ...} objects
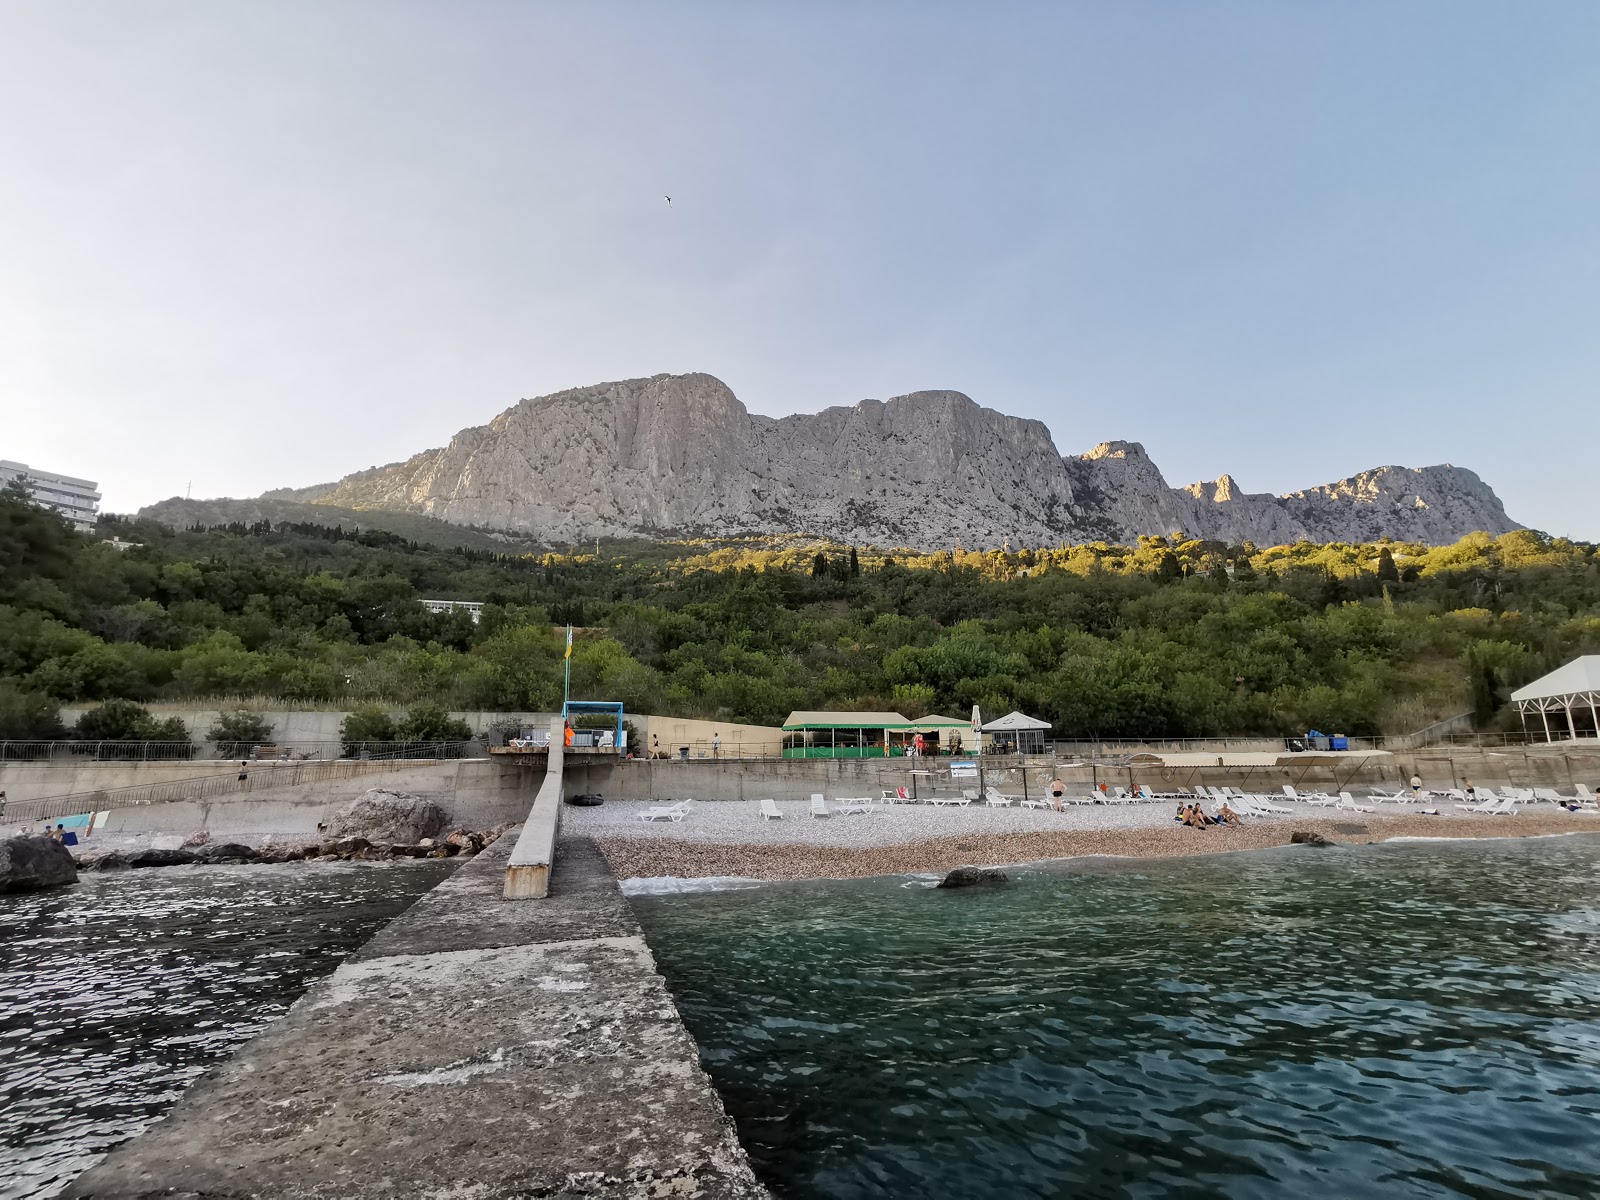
[
  {"x": 1409, "y": 1021},
  {"x": 115, "y": 994}
]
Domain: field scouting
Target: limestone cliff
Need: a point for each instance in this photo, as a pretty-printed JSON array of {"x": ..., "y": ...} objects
[{"x": 680, "y": 454}]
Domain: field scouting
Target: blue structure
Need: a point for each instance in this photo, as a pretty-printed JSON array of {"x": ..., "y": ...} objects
[{"x": 612, "y": 740}]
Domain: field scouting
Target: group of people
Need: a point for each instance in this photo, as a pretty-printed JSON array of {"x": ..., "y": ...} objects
[
  {"x": 1197, "y": 818},
  {"x": 59, "y": 833}
]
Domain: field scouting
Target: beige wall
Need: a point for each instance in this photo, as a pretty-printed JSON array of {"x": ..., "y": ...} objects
[{"x": 738, "y": 741}]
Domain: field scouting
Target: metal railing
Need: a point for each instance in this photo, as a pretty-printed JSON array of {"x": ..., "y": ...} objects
[
  {"x": 203, "y": 787},
  {"x": 285, "y": 751}
]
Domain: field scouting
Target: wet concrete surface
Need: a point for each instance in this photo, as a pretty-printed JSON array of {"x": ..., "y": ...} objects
[{"x": 475, "y": 1048}]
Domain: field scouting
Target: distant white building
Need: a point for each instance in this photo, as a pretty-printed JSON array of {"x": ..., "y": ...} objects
[
  {"x": 75, "y": 499},
  {"x": 475, "y": 607}
]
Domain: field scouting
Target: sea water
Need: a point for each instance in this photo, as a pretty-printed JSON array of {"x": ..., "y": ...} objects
[
  {"x": 1397, "y": 1021},
  {"x": 118, "y": 992}
]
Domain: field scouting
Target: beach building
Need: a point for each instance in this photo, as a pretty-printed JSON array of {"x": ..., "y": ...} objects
[
  {"x": 75, "y": 499},
  {"x": 1563, "y": 704},
  {"x": 1016, "y": 733},
  {"x": 942, "y": 734},
  {"x": 472, "y": 607},
  {"x": 845, "y": 735}
]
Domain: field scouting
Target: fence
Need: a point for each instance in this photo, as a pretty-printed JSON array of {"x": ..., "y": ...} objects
[
  {"x": 204, "y": 787},
  {"x": 108, "y": 751}
]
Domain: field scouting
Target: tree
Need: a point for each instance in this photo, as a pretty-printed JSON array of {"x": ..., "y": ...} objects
[
  {"x": 1387, "y": 571},
  {"x": 855, "y": 564},
  {"x": 239, "y": 732},
  {"x": 819, "y": 565},
  {"x": 1167, "y": 568},
  {"x": 28, "y": 716},
  {"x": 430, "y": 723},
  {"x": 369, "y": 723},
  {"x": 131, "y": 724}
]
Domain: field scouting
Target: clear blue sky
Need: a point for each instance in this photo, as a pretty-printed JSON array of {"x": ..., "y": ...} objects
[{"x": 264, "y": 245}]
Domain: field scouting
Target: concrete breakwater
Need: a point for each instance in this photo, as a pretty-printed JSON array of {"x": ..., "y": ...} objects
[{"x": 473, "y": 1048}]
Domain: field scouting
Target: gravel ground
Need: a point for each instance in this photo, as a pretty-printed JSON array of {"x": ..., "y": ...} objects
[{"x": 730, "y": 838}]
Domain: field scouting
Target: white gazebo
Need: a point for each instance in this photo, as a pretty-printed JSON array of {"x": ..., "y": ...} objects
[
  {"x": 1018, "y": 730},
  {"x": 1567, "y": 701}
]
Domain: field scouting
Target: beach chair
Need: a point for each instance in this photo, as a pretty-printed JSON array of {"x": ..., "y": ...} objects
[
  {"x": 854, "y": 804},
  {"x": 1035, "y": 802},
  {"x": 1585, "y": 796},
  {"x": 898, "y": 795},
  {"x": 1483, "y": 806},
  {"x": 819, "y": 807},
  {"x": 1346, "y": 800},
  {"x": 675, "y": 812},
  {"x": 1319, "y": 799},
  {"x": 1401, "y": 795},
  {"x": 1548, "y": 794},
  {"x": 769, "y": 811},
  {"x": 993, "y": 798},
  {"x": 968, "y": 795},
  {"x": 1263, "y": 802}
]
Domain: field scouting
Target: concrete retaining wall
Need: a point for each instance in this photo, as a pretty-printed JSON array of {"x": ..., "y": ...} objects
[
  {"x": 479, "y": 794},
  {"x": 795, "y": 779}
]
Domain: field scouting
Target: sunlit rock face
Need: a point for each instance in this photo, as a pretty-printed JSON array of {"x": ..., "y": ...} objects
[{"x": 679, "y": 454}]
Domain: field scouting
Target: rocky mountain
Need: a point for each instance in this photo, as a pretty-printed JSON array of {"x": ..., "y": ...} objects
[{"x": 679, "y": 454}]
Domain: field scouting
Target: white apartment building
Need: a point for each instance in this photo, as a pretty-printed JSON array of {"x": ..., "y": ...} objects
[{"x": 75, "y": 499}]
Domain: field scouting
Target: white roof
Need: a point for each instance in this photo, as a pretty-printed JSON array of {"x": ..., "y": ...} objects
[
  {"x": 1013, "y": 721},
  {"x": 1579, "y": 675},
  {"x": 940, "y": 723},
  {"x": 847, "y": 720}
]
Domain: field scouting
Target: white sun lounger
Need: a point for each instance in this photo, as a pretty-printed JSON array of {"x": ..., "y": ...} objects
[
  {"x": 993, "y": 798},
  {"x": 1034, "y": 802},
  {"x": 819, "y": 807},
  {"x": 769, "y": 811},
  {"x": 965, "y": 798},
  {"x": 1319, "y": 799},
  {"x": 676, "y": 812},
  {"x": 1346, "y": 800},
  {"x": 854, "y": 804},
  {"x": 1264, "y": 802}
]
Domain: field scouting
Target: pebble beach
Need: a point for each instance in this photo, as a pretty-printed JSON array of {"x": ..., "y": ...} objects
[{"x": 730, "y": 838}]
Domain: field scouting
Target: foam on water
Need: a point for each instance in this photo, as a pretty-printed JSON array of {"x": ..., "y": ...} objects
[{"x": 673, "y": 885}]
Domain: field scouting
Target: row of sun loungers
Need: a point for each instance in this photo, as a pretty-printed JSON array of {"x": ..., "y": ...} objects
[{"x": 1485, "y": 801}]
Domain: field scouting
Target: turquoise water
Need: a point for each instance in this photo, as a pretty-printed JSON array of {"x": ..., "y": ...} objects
[{"x": 1408, "y": 1020}]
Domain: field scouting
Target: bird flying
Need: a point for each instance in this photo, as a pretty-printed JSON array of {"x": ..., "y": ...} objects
[{"x": 669, "y": 201}]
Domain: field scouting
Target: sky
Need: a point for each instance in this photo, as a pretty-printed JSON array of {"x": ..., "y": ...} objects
[{"x": 246, "y": 246}]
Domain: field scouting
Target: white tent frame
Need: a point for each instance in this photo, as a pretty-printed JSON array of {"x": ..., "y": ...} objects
[
  {"x": 1530, "y": 699},
  {"x": 1564, "y": 704}
]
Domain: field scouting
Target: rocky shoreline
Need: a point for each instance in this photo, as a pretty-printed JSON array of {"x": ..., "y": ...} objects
[
  {"x": 463, "y": 842},
  {"x": 656, "y": 856}
]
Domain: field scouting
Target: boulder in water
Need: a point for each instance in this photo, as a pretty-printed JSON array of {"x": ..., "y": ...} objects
[
  {"x": 227, "y": 852},
  {"x": 160, "y": 858},
  {"x": 29, "y": 863},
  {"x": 383, "y": 816},
  {"x": 963, "y": 877},
  {"x": 1302, "y": 838}
]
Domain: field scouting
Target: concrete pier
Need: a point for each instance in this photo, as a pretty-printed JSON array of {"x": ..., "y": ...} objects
[{"x": 472, "y": 1049}]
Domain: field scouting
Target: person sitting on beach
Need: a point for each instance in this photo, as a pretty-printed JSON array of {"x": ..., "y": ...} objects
[
  {"x": 1226, "y": 816},
  {"x": 1196, "y": 818},
  {"x": 1183, "y": 814},
  {"x": 65, "y": 836}
]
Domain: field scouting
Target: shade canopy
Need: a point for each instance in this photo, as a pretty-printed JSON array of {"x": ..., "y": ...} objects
[
  {"x": 1580, "y": 677},
  {"x": 845, "y": 720},
  {"x": 1566, "y": 701},
  {"x": 1015, "y": 722},
  {"x": 940, "y": 723}
]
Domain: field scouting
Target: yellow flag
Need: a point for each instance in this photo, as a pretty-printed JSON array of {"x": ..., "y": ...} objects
[{"x": 569, "y": 643}]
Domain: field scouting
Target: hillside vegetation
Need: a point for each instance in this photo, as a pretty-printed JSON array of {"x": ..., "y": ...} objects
[{"x": 1169, "y": 637}]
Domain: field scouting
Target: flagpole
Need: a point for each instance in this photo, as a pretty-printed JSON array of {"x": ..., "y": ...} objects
[{"x": 566, "y": 683}]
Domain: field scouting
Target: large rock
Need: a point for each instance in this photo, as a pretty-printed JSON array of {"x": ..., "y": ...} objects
[
  {"x": 29, "y": 863},
  {"x": 964, "y": 877},
  {"x": 158, "y": 857},
  {"x": 680, "y": 453},
  {"x": 382, "y": 816}
]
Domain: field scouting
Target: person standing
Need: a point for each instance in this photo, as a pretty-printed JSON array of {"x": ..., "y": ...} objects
[
  {"x": 244, "y": 775},
  {"x": 716, "y": 744},
  {"x": 1416, "y": 785}
]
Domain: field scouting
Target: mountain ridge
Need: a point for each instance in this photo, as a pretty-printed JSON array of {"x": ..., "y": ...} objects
[{"x": 676, "y": 454}]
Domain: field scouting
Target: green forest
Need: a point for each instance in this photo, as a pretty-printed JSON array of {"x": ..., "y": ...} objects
[{"x": 1169, "y": 637}]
